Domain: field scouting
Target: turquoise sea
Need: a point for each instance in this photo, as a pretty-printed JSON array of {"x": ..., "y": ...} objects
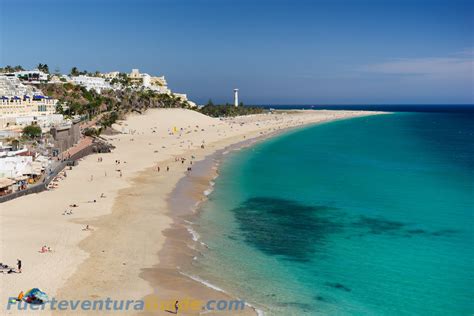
[{"x": 367, "y": 216}]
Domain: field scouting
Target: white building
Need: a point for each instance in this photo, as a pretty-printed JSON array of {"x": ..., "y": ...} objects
[
  {"x": 44, "y": 121},
  {"x": 9, "y": 151},
  {"x": 184, "y": 97},
  {"x": 14, "y": 166},
  {"x": 11, "y": 86},
  {"x": 22, "y": 105},
  {"x": 147, "y": 81},
  {"x": 33, "y": 76},
  {"x": 27, "y": 105},
  {"x": 27, "y": 110},
  {"x": 18, "y": 169},
  {"x": 96, "y": 83},
  {"x": 111, "y": 75},
  {"x": 135, "y": 74}
]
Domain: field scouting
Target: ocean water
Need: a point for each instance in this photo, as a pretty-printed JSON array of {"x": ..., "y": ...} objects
[{"x": 367, "y": 216}]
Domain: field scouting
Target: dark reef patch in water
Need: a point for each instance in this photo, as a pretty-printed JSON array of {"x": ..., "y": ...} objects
[
  {"x": 378, "y": 225},
  {"x": 416, "y": 231},
  {"x": 338, "y": 286},
  {"x": 296, "y": 231},
  {"x": 231, "y": 237},
  {"x": 302, "y": 306},
  {"x": 284, "y": 227},
  {"x": 444, "y": 232}
]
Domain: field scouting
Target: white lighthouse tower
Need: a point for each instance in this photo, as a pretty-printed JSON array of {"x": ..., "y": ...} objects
[{"x": 236, "y": 97}]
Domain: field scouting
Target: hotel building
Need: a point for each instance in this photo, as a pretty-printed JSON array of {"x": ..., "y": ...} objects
[
  {"x": 23, "y": 105},
  {"x": 92, "y": 83}
]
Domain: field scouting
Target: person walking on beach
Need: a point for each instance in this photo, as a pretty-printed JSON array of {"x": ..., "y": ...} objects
[
  {"x": 18, "y": 264},
  {"x": 20, "y": 296},
  {"x": 176, "y": 307}
]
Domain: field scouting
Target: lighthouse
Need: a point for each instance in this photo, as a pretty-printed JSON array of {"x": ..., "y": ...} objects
[{"x": 236, "y": 97}]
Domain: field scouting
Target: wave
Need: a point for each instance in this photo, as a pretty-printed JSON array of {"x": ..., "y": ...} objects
[
  {"x": 193, "y": 233},
  {"x": 216, "y": 288},
  {"x": 204, "y": 282}
]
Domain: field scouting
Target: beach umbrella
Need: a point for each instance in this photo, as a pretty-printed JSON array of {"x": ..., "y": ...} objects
[{"x": 35, "y": 296}]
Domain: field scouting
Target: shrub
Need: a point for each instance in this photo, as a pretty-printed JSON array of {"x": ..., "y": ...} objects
[{"x": 32, "y": 131}]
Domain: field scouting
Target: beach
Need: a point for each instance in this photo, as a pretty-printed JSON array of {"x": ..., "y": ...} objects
[{"x": 129, "y": 202}]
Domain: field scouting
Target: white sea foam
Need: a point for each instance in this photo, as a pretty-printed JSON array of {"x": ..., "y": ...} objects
[
  {"x": 193, "y": 233},
  {"x": 208, "y": 191},
  {"x": 258, "y": 311},
  {"x": 216, "y": 288},
  {"x": 204, "y": 282}
]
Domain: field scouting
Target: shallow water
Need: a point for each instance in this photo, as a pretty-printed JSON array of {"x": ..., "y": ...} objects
[{"x": 368, "y": 216}]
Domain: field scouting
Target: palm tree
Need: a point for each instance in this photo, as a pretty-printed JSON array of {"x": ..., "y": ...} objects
[
  {"x": 43, "y": 67},
  {"x": 74, "y": 71}
]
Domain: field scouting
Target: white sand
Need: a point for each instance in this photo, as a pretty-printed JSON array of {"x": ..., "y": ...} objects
[{"x": 28, "y": 223}]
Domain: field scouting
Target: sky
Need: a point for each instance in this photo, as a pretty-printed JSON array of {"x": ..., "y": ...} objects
[{"x": 274, "y": 51}]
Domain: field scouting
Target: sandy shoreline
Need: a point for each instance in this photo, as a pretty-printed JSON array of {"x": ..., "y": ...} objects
[{"x": 119, "y": 258}]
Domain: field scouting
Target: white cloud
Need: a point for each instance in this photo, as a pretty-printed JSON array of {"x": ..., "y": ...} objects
[{"x": 458, "y": 66}]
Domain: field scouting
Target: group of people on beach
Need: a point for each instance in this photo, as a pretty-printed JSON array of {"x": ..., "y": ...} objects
[
  {"x": 5, "y": 268},
  {"x": 179, "y": 159},
  {"x": 45, "y": 249},
  {"x": 158, "y": 169},
  {"x": 67, "y": 212}
]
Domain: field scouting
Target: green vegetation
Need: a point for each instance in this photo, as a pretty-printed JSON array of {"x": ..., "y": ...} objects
[
  {"x": 76, "y": 72},
  {"x": 108, "y": 119},
  {"x": 60, "y": 108},
  {"x": 74, "y": 99},
  {"x": 8, "y": 69},
  {"x": 32, "y": 131},
  {"x": 122, "y": 79},
  {"x": 90, "y": 131},
  {"x": 43, "y": 67},
  {"x": 227, "y": 109},
  {"x": 108, "y": 106}
]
